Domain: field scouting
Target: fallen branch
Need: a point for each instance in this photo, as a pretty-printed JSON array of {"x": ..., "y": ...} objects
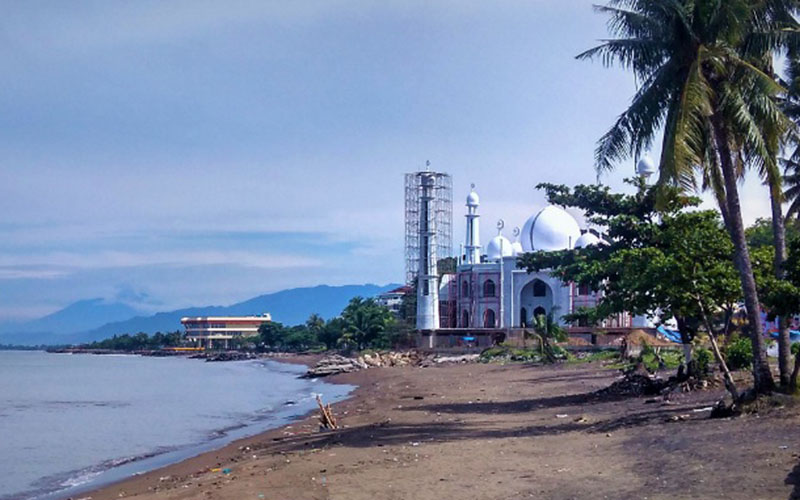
[{"x": 326, "y": 417}]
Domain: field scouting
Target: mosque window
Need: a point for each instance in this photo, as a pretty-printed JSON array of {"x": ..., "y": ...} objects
[
  {"x": 465, "y": 319},
  {"x": 539, "y": 311},
  {"x": 465, "y": 289},
  {"x": 584, "y": 290},
  {"x": 426, "y": 287},
  {"x": 489, "y": 320},
  {"x": 489, "y": 288},
  {"x": 539, "y": 289}
]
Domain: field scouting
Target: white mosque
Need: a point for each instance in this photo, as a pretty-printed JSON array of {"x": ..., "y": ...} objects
[{"x": 489, "y": 295}]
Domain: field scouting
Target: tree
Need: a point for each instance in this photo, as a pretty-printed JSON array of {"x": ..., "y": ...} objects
[
  {"x": 272, "y": 334},
  {"x": 331, "y": 332},
  {"x": 698, "y": 64},
  {"x": 548, "y": 330},
  {"x": 365, "y": 320},
  {"x": 661, "y": 263}
]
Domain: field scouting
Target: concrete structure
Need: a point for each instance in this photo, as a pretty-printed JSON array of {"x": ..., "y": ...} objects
[
  {"x": 427, "y": 275},
  {"x": 218, "y": 331},
  {"x": 393, "y": 299},
  {"x": 441, "y": 211}
]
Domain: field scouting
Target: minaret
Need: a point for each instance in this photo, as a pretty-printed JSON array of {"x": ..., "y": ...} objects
[
  {"x": 427, "y": 277},
  {"x": 473, "y": 244}
]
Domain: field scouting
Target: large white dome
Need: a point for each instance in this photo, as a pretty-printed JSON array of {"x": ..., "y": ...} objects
[
  {"x": 549, "y": 230},
  {"x": 587, "y": 239},
  {"x": 499, "y": 246},
  {"x": 516, "y": 248}
]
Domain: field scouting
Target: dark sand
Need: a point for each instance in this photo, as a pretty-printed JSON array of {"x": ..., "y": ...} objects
[{"x": 497, "y": 432}]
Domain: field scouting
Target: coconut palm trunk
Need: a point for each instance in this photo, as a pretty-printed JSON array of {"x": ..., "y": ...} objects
[
  {"x": 762, "y": 376},
  {"x": 779, "y": 235}
]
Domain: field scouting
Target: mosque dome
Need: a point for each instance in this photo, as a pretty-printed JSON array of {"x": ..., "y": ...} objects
[
  {"x": 587, "y": 239},
  {"x": 472, "y": 199},
  {"x": 516, "y": 248},
  {"x": 646, "y": 167},
  {"x": 551, "y": 229},
  {"x": 498, "y": 247}
]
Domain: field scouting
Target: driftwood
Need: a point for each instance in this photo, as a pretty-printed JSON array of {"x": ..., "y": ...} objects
[{"x": 326, "y": 417}]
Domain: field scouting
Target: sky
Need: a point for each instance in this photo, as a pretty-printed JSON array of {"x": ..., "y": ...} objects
[{"x": 175, "y": 153}]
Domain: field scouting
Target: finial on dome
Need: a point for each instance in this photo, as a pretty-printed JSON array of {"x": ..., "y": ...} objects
[
  {"x": 472, "y": 198},
  {"x": 646, "y": 167},
  {"x": 500, "y": 225}
]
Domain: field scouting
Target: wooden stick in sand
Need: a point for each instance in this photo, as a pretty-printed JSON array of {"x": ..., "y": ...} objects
[{"x": 326, "y": 415}]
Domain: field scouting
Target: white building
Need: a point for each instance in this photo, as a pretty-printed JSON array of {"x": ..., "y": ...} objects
[
  {"x": 211, "y": 331},
  {"x": 488, "y": 291}
]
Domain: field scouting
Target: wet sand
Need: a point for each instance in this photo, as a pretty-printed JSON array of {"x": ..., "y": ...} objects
[{"x": 496, "y": 432}]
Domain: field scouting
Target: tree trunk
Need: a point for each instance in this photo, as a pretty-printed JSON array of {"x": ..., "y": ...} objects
[
  {"x": 762, "y": 376},
  {"x": 726, "y": 373},
  {"x": 793, "y": 378},
  {"x": 779, "y": 235},
  {"x": 688, "y": 357}
]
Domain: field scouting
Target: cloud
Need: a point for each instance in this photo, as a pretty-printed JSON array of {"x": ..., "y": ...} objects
[{"x": 66, "y": 261}]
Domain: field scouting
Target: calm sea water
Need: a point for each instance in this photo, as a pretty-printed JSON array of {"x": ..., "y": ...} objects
[{"x": 69, "y": 423}]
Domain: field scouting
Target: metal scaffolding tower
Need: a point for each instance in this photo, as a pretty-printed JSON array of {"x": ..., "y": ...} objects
[{"x": 441, "y": 213}]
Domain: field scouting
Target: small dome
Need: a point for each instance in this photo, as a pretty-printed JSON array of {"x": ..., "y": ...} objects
[
  {"x": 587, "y": 239},
  {"x": 499, "y": 246},
  {"x": 551, "y": 229},
  {"x": 472, "y": 199},
  {"x": 646, "y": 167},
  {"x": 516, "y": 248}
]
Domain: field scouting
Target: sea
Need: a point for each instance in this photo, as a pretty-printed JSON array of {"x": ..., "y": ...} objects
[{"x": 70, "y": 423}]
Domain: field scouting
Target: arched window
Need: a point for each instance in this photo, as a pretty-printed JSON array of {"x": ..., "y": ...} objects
[
  {"x": 465, "y": 319},
  {"x": 465, "y": 288},
  {"x": 488, "y": 288},
  {"x": 539, "y": 289},
  {"x": 489, "y": 320},
  {"x": 539, "y": 311},
  {"x": 523, "y": 317}
]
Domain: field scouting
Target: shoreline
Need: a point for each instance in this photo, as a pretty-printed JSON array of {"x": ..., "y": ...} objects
[
  {"x": 206, "y": 461},
  {"x": 488, "y": 431},
  {"x": 79, "y": 483}
]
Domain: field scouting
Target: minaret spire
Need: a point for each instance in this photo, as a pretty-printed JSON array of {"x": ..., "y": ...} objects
[{"x": 473, "y": 243}]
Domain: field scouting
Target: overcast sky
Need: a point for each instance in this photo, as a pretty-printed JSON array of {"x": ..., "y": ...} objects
[{"x": 174, "y": 153}]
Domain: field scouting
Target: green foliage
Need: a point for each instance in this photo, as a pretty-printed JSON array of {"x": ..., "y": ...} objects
[
  {"x": 508, "y": 354},
  {"x": 365, "y": 323},
  {"x": 138, "y": 342},
  {"x": 703, "y": 358},
  {"x": 664, "y": 359},
  {"x": 760, "y": 235},
  {"x": 660, "y": 259},
  {"x": 738, "y": 352},
  {"x": 597, "y": 356}
]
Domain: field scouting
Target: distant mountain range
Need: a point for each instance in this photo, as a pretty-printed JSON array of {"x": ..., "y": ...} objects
[{"x": 96, "y": 319}]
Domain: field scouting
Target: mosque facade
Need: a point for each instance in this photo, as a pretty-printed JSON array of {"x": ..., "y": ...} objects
[{"x": 489, "y": 292}]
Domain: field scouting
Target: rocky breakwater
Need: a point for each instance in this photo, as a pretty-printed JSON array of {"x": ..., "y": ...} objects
[{"x": 336, "y": 363}]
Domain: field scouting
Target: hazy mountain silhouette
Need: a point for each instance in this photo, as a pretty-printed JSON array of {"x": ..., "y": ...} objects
[{"x": 93, "y": 319}]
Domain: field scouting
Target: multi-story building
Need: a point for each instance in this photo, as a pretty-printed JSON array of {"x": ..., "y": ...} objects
[{"x": 218, "y": 331}]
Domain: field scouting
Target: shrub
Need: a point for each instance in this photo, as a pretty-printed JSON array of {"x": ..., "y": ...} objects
[
  {"x": 702, "y": 359},
  {"x": 739, "y": 353}
]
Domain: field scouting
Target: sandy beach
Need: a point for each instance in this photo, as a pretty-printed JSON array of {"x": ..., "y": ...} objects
[{"x": 488, "y": 431}]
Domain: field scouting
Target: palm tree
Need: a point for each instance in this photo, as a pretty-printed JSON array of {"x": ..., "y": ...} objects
[
  {"x": 548, "y": 330},
  {"x": 698, "y": 64}
]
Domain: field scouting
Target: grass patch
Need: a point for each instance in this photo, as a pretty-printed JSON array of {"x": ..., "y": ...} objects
[{"x": 507, "y": 354}]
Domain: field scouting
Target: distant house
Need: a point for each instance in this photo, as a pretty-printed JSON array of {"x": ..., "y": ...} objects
[
  {"x": 218, "y": 331},
  {"x": 393, "y": 299}
]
